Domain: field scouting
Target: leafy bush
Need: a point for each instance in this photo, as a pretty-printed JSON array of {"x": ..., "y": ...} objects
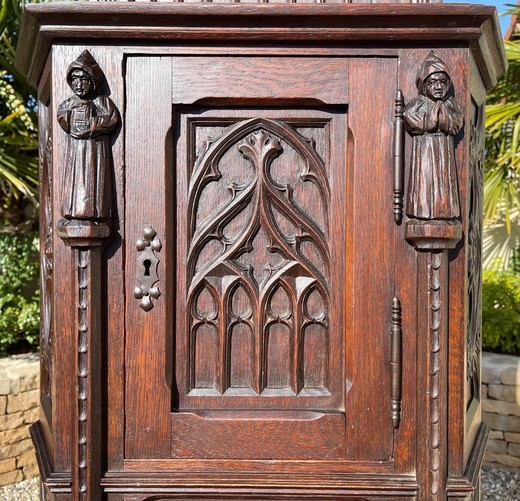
[
  {"x": 501, "y": 311},
  {"x": 19, "y": 293}
]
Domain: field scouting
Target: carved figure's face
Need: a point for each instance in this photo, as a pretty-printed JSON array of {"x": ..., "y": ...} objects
[
  {"x": 81, "y": 83},
  {"x": 436, "y": 86}
]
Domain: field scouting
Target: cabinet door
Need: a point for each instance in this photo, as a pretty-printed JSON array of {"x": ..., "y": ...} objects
[
  {"x": 260, "y": 289},
  {"x": 245, "y": 167}
]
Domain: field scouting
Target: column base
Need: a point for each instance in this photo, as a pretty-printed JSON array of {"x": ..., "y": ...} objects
[
  {"x": 433, "y": 234},
  {"x": 83, "y": 233}
]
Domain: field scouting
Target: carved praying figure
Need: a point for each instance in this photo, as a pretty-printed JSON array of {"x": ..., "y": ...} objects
[
  {"x": 433, "y": 120},
  {"x": 88, "y": 118}
]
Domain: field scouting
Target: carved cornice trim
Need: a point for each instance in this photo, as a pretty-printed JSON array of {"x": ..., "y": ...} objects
[{"x": 44, "y": 23}]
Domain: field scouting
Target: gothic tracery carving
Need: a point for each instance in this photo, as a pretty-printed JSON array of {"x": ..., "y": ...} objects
[
  {"x": 474, "y": 251},
  {"x": 258, "y": 264},
  {"x": 47, "y": 270}
]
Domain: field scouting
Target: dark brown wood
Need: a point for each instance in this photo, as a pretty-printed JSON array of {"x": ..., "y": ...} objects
[
  {"x": 283, "y": 340},
  {"x": 88, "y": 118},
  {"x": 308, "y": 22},
  {"x": 398, "y": 157},
  {"x": 370, "y": 288},
  {"x": 432, "y": 465},
  {"x": 46, "y": 238},
  {"x": 396, "y": 362},
  {"x": 433, "y": 120},
  {"x": 147, "y": 407},
  {"x": 87, "y": 239}
]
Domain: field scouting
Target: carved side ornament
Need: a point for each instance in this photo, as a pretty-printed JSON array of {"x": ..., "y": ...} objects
[
  {"x": 433, "y": 119},
  {"x": 88, "y": 118}
]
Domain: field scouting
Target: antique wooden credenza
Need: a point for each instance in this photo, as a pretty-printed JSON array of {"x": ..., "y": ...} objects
[{"x": 260, "y": 241}]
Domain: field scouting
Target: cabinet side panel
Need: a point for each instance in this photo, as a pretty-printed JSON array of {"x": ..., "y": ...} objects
[
  {"x": 458, "y": 61},
  {"x": 46, "y": 250},
  {"x": 475, "y": 199}
]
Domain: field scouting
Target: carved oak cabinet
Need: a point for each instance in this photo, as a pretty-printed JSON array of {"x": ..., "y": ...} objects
[{"x": 260, "y": 236}]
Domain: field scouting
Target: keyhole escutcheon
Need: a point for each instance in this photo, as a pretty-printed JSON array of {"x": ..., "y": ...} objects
[{"x": 147, "y": 264}]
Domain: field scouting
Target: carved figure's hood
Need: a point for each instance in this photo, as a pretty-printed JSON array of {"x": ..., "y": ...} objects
[
  {"x": 432, "y": 64},
  {"x": 87, "y": 63}
]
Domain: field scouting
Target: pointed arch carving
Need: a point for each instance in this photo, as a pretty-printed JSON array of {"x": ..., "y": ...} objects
[{"x": 260, "y": 240}]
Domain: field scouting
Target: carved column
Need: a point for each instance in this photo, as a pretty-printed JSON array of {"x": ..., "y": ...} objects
[
  {"x": 433, "y": 242},
  {"x": 433, "y": 343},
  {"x": 87, "y": 238},
  {"x": 432, "y": 331},
  {"x": 432, "y": 120},
  {"x": 88, "y": 118}
]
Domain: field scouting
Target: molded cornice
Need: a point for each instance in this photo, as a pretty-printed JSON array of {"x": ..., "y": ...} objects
[{"x": 345, "y": 24}]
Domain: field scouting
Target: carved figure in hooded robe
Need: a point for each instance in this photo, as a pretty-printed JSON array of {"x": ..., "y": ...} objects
[
  {"x": 88, "y": 118},
  {"x": 433, "y": 120}
]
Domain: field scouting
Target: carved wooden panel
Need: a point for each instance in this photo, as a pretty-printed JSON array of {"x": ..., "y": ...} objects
[
  {"x": 262, "y": 206},
  {"x": 474, "y": 251},
  {"x": 258, "y": 279},
  {"x": 47, "y": 261}
]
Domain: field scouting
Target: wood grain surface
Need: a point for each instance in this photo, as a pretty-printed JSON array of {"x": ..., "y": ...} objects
[{"x": 257, "y": 141}]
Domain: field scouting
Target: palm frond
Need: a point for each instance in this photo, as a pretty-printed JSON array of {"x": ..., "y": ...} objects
[
  {"x": 18, "y": 117},
  {"x": 500, "y": 244},
  {"x": 502, "y": 164}
]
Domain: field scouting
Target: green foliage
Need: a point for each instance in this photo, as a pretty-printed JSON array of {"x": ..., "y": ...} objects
[
  {"x": 19, "y": 294},
  {"x": 18, "y": 118},
  {"x": 502, "y": 166},
  {"x": 501, "y": 311}
]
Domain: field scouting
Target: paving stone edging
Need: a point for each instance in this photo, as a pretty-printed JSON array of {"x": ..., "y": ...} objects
[
  {"x": 19, "y": 398},
  {"x": 19, "y": 395},
  {"x": 501, "y": 408}
]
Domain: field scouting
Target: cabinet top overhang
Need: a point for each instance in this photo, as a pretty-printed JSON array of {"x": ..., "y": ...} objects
[{"x": 113, "y": 22}]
